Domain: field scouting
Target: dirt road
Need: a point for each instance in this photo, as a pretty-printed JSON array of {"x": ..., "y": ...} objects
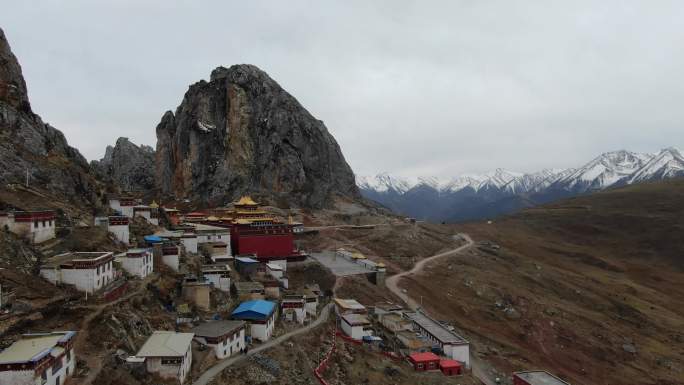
[
  {"x": 392, "y": 282},
  {"x": 94, "y": 361},
  {"x": 213, "y": 371}
]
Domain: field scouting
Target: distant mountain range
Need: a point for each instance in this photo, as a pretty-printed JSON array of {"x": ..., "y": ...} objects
[{"x": 472, "y": 197}]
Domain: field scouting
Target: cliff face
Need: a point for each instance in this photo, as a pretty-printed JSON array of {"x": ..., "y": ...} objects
[
  {"x": 127, "y": 166},
  {"x": 242, "y": 133},
  {"x": 28, "y": 144}
]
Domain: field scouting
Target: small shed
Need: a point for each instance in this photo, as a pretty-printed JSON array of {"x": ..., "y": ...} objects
[
  {"x": 450, "y": 367},
  {"x": 424, "y": 361}
]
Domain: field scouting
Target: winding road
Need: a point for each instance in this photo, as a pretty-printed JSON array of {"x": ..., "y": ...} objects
[
  {"x": 392, "y": 282},
  {"x": 215, "y": 370}
]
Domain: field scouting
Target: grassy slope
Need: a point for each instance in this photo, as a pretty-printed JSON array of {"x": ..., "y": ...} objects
[{"x": 585, "y": 277}]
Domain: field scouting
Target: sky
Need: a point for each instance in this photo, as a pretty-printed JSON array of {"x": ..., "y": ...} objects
[{"x": 413, "y": 88}]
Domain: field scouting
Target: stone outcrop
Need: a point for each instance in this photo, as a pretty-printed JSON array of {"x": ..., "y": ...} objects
[
  {"x": 127, "y": 166},
  {"x": 27, "y": 144},
  {"x": 242, "y": 133}
]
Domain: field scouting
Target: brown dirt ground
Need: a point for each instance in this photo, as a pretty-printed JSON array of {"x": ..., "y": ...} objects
[{"x": 574, "y": 286}]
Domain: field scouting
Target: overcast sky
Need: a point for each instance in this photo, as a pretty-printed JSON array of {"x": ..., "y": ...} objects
[{"x": 413, "y": 88}]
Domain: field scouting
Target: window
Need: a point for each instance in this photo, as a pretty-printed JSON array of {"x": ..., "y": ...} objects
[{"x": 171, "y": 361}]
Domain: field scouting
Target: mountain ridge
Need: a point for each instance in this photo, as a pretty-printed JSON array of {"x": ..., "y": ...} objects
[{"x": 615, "y": 168}]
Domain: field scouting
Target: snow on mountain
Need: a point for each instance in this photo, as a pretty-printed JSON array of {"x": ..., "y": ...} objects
[
  {"x": 668, "y": 163},
  {"x": 604, "y": 171},
  {"x": 608, "y": 169},
  {"x": 537, "y": 181},
  {"x": 461, "y": 182},
  {"x": 499, "y": 192},
  {"x": 383, "y": 182}
]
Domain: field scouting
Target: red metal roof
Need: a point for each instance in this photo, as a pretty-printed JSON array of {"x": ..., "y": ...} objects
[
  {"x": 424, "y": 357},
  {"x": 449, "y": 364}
]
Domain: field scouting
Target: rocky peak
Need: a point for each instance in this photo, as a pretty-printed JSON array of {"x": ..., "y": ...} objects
[
  {"x": 128, "y": 166},
  {"x": 12, "y": 84},
  {"x": 242, "y": 133},
  {"x": 29, "y": 146}
]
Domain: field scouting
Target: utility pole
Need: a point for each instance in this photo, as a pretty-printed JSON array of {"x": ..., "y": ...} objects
[{"x": 27, "y": 177}]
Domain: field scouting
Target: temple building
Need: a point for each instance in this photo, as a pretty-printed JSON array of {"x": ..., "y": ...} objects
[
  {"x": 254, "y": 231},
  {"x": 137, "y": 262},
  {"x": 36, "y": 226},
  {"x": 87, "y": 271},
  {"x": 39, "y": 358},
  {"x": 168, "y": 354},
  {"x": 123, "y": 205}
]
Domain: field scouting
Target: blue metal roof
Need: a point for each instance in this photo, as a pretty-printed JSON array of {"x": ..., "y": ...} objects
[
  {"x": 152, "y": 239},
  {"x": 254, "y": 310}
]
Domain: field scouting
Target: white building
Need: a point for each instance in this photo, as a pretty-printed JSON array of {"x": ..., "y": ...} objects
[
  {"x": 293, "y": 308},
  {"x": 118, "y": 225},
  {"x": 39, "y": 359},
  {"x": 261, "y": 316},
  {"x": 217, "y": 275},
  {"x": 168, "y": 354},
  {"x": 150, "y": 213},
  {"x": 36, "y": 226},
  {"x": 137, "y": 262},
  {"x": 208, "y": 233},
  {"x": 122, "y": 205},
  {"x": 226, "y": 338},
  {"x": 88, "y": 272},
  {"x": 453, "y": 345},
  {"x": 274, "y": 270},
  {"x": 219, "y": 252},
  {"x": 187, "y": 239},
  {"x": 170, "y": 256},
  {"x": 348, "y": 306},
  {"x": 311, "y": 305},
  {"x": 355, "y": 326}
]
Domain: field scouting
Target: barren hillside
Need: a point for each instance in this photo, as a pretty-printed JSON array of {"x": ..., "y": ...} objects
[{"x": 589, "y": 288}]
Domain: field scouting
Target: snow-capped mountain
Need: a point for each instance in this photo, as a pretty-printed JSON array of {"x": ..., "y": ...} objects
[
  {"x": 669, "y": 163},
  {"x": 501, "y": 191},
  {"x": 383, "y": 182},
  {"x": 604, "y": 171}
]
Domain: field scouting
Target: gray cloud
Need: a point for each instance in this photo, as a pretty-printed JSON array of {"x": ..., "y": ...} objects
[{"x": 414, "y": 88}]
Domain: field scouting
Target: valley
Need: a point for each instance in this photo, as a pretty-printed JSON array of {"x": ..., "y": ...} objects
[
  {"x": 487, "y": 196},
  {"x": 241, "y": 248}
]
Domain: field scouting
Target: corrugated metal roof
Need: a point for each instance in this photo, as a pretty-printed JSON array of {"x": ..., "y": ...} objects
[
  {"x": 437, "y": 330},
  {"x": 166, "y": 344},
  {"x": 540, "y": 377},
  {"x": 257, "y": 307},
  {"x": 217, "y": 328}
]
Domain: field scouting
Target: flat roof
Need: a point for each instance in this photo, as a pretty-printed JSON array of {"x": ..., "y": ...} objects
[
  {"x": 436, "y": 329},
  {"x": 75, "y": 256},
  {"x": 349, "y": 304},
  {"x": 423, "y": 357},
  {"x": 274, "y": 266},
  {"x": 203, "y": 227},
  {"x": 394, "y": 316},
  {"x": 138, "y": 250},
  {"x": 356, "y": 319},
  {"x": 540, "y": 377},
  {"x": 246, "y": 260},
  {"x": 215, "y": 268},
  {"x": 215, "y": 329},
  {"x": 248, "y": 285},
  {"x": 33, "y": 346},
  {"x": 166, "y": 344}
]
